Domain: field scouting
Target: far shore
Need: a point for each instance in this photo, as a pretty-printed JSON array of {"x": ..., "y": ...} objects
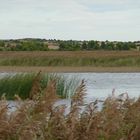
[{"x": 69, "y": 69}]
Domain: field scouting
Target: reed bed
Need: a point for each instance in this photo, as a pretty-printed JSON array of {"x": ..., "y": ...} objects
[
  {"x": 39, "y": 119},
  {"x": 69, "y": 69},
  {"x": 74, "y": 62},
  {"x": 79, "y": 58},
  {"x": 96, "y": 54},
  {"x": 21, "y": 84}
]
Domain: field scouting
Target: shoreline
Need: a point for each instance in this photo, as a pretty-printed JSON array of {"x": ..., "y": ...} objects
[{"x": 70, "y": 69}]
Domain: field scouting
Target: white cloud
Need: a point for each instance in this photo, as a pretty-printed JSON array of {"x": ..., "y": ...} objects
[{"x": 70, "y": 19}]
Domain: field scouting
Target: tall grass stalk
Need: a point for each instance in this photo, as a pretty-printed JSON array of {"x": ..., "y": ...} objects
[
  {"x": 39, "y": 119},
  {"x": 85, "y": 58},
  {"x": 19, "y": 84},
  {"x": 25, "y": 84}
]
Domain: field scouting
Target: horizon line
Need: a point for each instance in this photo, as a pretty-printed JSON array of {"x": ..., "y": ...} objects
[{"x": 68, "y": 39}]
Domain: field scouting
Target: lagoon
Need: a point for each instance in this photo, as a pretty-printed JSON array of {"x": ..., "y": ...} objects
[{"x": 100, "y": 85}]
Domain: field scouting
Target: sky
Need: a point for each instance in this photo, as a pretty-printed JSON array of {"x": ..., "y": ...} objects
[{"x": 114, "y": 20}]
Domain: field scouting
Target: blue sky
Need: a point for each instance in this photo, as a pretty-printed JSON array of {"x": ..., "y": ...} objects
[{"x": 70, "y": 19}]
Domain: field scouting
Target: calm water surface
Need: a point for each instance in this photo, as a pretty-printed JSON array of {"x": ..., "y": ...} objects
[{"x": 100, "y": 85}]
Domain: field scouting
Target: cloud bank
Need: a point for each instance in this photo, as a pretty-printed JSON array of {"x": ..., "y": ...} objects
[{"x": 70, "y": 19}]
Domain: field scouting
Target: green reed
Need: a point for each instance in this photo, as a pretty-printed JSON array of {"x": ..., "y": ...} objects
[{"x": 21, "y": 84}]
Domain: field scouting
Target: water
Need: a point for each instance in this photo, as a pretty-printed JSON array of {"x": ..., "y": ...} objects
[{"x": 101, "y": 85}]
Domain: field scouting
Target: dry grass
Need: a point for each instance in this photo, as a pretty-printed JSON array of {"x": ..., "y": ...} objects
[
  {"x": 39, "y": 119},
  {"x": 71, "y": 59},
  {"x": 95, "y": 54},
  {"x": 67, "y": 69}
]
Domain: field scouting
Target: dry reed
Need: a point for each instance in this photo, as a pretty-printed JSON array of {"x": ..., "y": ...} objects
[{"x": 39, "y": 119}]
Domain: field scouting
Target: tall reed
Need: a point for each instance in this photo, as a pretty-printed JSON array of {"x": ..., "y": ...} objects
[
  {"x": 39, "y": 119},
  {"x": 68, "y": 58},
  {"x": 24, "y": 84}
]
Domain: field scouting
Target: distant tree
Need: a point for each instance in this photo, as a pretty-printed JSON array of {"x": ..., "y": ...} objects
[
  {"x": 30, "y": 44},
  {"x": 132, "y": 45},
  {"x": 2, "y": 43},
  {"x": 110, "y": 46},
  {"x": 77, "y": 47},
  {"x": 1, "y": 49},
  {"x": 62, "y": 46},
  {"x": 84, "y": 46},
  {"x": 119, "y": 46},
  {"x": 91, "y": 45},
  {"x": 97, "y": 47},
  {"x": 103, "y": 45},
  {"x": 19, "y": 47},
  {"x": 69, "y": 45},
  {"x": 125, "y": 46}
]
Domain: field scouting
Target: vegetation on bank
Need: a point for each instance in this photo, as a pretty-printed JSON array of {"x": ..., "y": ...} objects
[
  {"x": 23, "y": 45},
  {"x": 40, "y": 119},
  {"x": 57, "y": 61},
  {"x": 23, "y": 84},
  {"x": 87, "y": 58},
  {"x": 96, "y": 45},
  {"x": 30, "y": 44}
]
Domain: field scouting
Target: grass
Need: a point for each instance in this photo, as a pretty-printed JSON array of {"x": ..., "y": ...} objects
[
  {"x": 39, "y": 119},
  {"x": 73, "y": 59},
  {"x": 22, "y": 84},
  {"x": 19, "y": 84},
  {"x": 56, "y": 61},
  {"x": 60, "y": 69}
]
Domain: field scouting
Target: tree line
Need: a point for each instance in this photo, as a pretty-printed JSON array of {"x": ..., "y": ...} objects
[
  {"x": 96, "y": 45},
  {"x": 69, "y": 45},
  {"x": 23, "y": 45}
]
